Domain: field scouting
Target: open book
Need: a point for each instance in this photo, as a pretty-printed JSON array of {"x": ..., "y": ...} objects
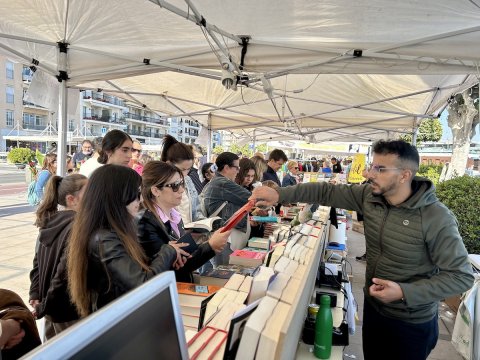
[{"x": 206, "y": 224}]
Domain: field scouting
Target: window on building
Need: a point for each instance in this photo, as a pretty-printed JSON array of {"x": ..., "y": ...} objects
[
  {"x": 10, "y": 118},
  {"x": 38, "y": 120},
  {"x": 9, "y": 69},
  {"x": 71, "y": 125},
  {"x": 10, "y": 91}
]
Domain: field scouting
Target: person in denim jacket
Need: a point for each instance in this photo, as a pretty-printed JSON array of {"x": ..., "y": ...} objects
[{"x": 223, "y": 188}]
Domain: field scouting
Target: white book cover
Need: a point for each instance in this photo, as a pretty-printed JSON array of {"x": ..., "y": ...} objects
[
  {"x": 281, "y": 264},
  {"x": 205, "y": 224},
  {"x": 291, "y": 268},
  {"x": 234, "y": 282},
  {"x": 291, "y": 291},
  {"x": 214, "y": 303},
  {"x": 300, "y": 272},
  {"x": 246, "y": 284},
  {"x": 254, "y": 327},
  {"x": 277, "y": 286},
  {"x": 267, "y": 346},
  {"x": 299, "y": 253},
  {"x": 260, "y": 283}
]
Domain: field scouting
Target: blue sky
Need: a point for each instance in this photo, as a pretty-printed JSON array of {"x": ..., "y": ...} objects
[{"x": 447, "y": 133}]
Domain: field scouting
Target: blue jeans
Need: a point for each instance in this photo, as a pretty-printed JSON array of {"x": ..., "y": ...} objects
[{"x": 386, "y": 338}]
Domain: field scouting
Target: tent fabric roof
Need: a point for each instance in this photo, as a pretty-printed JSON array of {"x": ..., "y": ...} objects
[{"x": 415, "y": 55}]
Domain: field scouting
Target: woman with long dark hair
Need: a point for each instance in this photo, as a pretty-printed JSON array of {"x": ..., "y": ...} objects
[
  {"x": 48, "y": 290},
  {"x": 105, "y": 259},
  {"x": 246, "y": 174},
  {"x": 181, "y": 155},
  {"x": 162, "y": 190}
]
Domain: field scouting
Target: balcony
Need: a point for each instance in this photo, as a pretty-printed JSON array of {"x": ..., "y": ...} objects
[
  {"x": 27, "y": 126},
  {"x": 144, "y": 133},
  {"x": 106, "y": 119},
  {"x": 161, "y": 121}
]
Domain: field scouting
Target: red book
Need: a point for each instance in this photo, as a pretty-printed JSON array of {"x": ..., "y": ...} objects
[{"x": 247, "y": 257}]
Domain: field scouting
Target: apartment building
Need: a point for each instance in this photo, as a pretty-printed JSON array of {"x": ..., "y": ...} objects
[{"x": 28, "y": 125}]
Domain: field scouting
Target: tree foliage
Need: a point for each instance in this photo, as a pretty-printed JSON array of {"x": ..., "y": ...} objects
[
  {"x": 244, "y": 149},
  {"x": 460, "y": 195},
  {"x": 429, "y": 130},
  {"x": 20, "y": 156}
]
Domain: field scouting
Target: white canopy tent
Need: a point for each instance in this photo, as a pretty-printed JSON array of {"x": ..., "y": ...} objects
[{"x": 294, "y": 64}]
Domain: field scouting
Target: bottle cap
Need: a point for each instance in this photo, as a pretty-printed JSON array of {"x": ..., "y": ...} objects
[{"x": 325, "y": 300}]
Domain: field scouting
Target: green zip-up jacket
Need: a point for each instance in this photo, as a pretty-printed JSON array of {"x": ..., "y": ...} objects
[{"x": 416, "y": 244}]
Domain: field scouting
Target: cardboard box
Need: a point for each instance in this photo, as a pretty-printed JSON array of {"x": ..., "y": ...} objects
[
  {"x": 453, "y": 302},
  {"x": 358, "y": 227}
]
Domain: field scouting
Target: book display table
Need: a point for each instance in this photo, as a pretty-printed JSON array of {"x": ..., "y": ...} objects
[{"x": 282, "y": 295}]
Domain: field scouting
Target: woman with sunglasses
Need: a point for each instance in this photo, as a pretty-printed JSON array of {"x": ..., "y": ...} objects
[
  {"x": 291, "y": 178},
  {"x": 160, "y": 224},
  {"x": 105, "y": 259},
  {"x": 135, "y": 163}
]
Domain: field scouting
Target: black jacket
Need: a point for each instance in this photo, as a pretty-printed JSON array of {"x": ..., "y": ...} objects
[
  {"x": 152, "y": 235},
  {"x": 271, "y": 174},
  {"x": 112, "y": 272},
  {"x": 48, "y": 279}
]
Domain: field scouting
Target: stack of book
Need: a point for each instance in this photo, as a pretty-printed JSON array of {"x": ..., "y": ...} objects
[
  {"x": 192, "y": 297},
  {"x": 209, "y": 343},
  {"x": 247, "y": 257}
]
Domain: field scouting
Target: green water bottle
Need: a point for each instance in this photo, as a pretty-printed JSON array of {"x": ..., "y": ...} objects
[{"x": 323, "y": 329}]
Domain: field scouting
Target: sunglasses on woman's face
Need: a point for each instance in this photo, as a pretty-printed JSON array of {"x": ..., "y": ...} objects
[{"x": 175, "y": 186}]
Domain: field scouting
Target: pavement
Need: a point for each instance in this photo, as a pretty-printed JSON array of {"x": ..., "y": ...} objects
[{"x": 18, "y": 237}]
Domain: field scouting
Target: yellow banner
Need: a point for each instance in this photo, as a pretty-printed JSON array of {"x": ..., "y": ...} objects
[{"x": 356, "y": 170}]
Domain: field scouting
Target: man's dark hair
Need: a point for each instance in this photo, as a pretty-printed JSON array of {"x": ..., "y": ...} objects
[
  {"x": 225, "y": 158},
  {"x": 407, "y": 154},
  {"x": 206, "y": 168},
  {"x": 276, "y": 155},
  {"x": 333, "y": 158}
]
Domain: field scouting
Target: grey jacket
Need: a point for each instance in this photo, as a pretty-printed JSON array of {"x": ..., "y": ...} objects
[
  {"x": 221, "y": 189},
  {"x": 416, "y": 244}
]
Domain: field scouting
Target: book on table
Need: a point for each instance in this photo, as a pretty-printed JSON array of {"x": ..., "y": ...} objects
[
  {"x": 247, "y": 258},
  {"x": 191, "y": 298},
  {"x": 208, "y": 224}
]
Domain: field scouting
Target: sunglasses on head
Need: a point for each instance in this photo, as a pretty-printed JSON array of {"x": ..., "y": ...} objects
[{"x": 174, "y": 186}]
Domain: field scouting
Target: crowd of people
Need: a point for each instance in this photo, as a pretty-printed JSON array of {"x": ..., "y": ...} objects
[{"x": 118, "y": 219}]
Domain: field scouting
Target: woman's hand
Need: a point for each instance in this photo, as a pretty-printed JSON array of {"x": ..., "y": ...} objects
[
  {"x": 219, "y": 240},
  {"x": 182, "y": 255}
]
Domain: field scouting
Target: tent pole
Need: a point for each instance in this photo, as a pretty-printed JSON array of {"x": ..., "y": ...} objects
[
  {"x": 209, "y": 143},
  {"x": 62, "y": 110},
  {"x": 62, "y": 130},
  {"x": 414, "y": 132}
]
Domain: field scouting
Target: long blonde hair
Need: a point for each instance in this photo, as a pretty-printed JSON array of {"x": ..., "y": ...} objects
[{"x": 104, "y": 206}]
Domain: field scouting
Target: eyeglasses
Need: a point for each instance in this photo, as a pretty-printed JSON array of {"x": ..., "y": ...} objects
[
  {"x": 235, "y": 166},
  {"x": 174, "y": 186},
  {"x": 376, "y": 169},
  {"x": 136, "y": 150}
]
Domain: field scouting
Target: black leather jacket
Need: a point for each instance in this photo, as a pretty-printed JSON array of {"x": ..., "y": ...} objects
[
  {"x": 112, "y": 272},
  {"x": 153, "y": 235}
]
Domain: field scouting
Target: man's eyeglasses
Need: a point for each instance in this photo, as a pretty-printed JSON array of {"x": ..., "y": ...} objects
[
  {"x": 174, "y": 186},
  {"x": 235, "y": 166},
  {"x": 376, "y": 169},
  {"x": 136, "y": 150}
]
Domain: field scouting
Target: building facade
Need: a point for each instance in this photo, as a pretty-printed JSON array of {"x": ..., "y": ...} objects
[{"x": 24, "y": 124}]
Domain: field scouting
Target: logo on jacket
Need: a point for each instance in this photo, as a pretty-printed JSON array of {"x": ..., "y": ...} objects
[{"x": 406, "y": 222}]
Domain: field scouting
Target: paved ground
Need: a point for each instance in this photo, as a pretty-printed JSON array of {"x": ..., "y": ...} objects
[{"x": 18, "y": 237}]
